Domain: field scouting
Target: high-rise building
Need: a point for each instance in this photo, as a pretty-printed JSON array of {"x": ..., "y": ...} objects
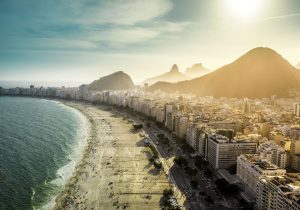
[
  {"x": 181, "y": 125},
  {"x": 250, "y": 167},
  {"x": 193, "y": 134},
  {"x": 278, "y": 192},
  {"x": 223, "y": 153},
  {"x": 272, "y": 152},
  {"x": 246, "y": 105},
  {"x": 169, "y": 116},
  {"x": 295, "y": 154},
  {"x": 197, "y": 138},
  {"x": 297, "y": 109}
]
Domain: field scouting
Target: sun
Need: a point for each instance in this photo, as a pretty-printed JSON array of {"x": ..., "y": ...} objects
[{"x": 244, "y": 8}]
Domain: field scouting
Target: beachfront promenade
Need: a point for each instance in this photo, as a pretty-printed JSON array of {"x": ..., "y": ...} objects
[{"x": 115, "y": 171}]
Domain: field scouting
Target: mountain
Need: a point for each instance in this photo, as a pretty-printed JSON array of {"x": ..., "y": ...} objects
[
  {"x": 174, "y": 75},
  {"x": 259, "y": 73},
  {"x": 197, "y": 70},
  {"x": 116, "y": 81}
]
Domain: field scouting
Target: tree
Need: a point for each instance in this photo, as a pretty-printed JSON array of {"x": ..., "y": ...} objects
[
  {"x": 209, "y": 199},
  {"x": 232, "y": 169},
  {"x": 154, "y": 151},
  {"x": 226, "y": 188},
  {"x": 168, "y": 192},
  {"x": 187, "y": 148},
  {"x": 198, "y": 163},
  {"x": 190, "y": 171},
  {"x": 201, "y": 193},
  {"x": 138, "y": 127},
  {"x": 157, "y": 164},
  {"x": 181, "y": 161},
  {"x": 194, "y": 184},
  {"x": 208, "y": 172},
  {"x": 165, "y": 140}
]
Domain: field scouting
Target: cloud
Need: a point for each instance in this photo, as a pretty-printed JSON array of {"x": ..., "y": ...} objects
[
  {"x": 118, "y": 37},
  {"x": 125, "y": 12},
  {"x": 45, "y": 44},
  {"x": 120, "y": 12},
  {"x": 282, "y": 17},
  {"x": 86, "y": 24}
]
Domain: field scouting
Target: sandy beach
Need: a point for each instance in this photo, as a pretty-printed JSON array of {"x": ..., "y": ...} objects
[{"x": 115, "y": 172}]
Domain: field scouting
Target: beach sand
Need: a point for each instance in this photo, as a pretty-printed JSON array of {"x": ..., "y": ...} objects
[{"x": 115, "y": 172}]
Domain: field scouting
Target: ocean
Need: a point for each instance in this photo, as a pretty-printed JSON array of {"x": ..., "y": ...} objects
[{"x": 40, "y": 142}]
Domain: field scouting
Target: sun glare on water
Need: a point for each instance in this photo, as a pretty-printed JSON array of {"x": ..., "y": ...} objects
[{"x": 244, "y": 8}]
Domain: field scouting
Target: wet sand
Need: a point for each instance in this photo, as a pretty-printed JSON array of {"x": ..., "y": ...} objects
[{"x": 115, "y": 172}]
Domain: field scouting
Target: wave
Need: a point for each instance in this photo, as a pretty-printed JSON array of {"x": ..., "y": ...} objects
[
  {"x": 33, "y": 193},
  {"x": 32, "y": 197},
  {"x": 64, "y": 173}
]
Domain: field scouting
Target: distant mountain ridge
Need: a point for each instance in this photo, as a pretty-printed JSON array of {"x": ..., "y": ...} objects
[
  {"x": 259, "y": 73},
  {"x": 197, "y": 70},
  {"x": 298, "y": 66},
  {"x": 174, "y": 75},
  {"x": 116, "y": 81}
]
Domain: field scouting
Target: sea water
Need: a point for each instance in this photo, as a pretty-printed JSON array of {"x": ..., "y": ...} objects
[{"x": 40, "y": 143}]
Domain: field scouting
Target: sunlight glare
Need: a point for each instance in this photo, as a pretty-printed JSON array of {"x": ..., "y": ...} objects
[{"x": 244, "y": 8}]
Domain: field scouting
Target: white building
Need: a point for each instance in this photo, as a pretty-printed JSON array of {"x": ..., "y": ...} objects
[
  {"x": 278, "y": 193},
  {"x": 196, "y": 137},
  {"x": 223, "y": 153},
  {"x": 180, "y": 125},
  {"x": 250, "y": 167},
  {"x": 193, "y": 134},
  {"x": 272, "y": 152},
  {"x": 297, "y": 109}
]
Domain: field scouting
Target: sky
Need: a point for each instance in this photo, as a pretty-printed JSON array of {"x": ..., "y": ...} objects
[{"x": 78, "y": 41}]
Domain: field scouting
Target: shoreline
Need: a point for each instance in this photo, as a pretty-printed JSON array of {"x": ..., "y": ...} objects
[
  {"x": 114, "y": 171},
  {"x": 66, "y": 172}
]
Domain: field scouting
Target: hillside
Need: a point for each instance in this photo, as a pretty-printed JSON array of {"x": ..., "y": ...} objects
[
  {"x": 197, "y": 70},
  {"x": 174, "y": 75},
  {"x": 259, "y": 73},
  {"x": 116, "y": 81}
]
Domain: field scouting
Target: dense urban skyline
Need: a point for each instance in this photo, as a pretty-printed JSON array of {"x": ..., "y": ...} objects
[
  {"x": 150, "y": 104},
  {"x": 83, "y": 40}
]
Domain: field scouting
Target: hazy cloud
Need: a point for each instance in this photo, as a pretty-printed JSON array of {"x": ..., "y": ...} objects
[
  {"x": 125, "y": 12},
  {"x": 282, "y": 17}
]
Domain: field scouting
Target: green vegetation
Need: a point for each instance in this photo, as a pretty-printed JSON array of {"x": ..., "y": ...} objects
[
  {"x": 137, "y": 127},
  {"x": 232, "y": 169},
  {"x": 160, "y": 136},
  {"x": 200, "y": 163},
  {"x": 187, "y": 148},
  {"x": 226, "y": 188},
  {"x": 154, "y": 151},
  {"x": 194, "y": 184},
  {"x": 155, "y": 160},
  {"x": 168, "y": 192},
  {"x": 169, "y": 201},
  {"x": 209, "y": 199},
  {"x": 163, "y": 139},
  {"x": 157, "y": 164},
  {"x": 181, "y": 161},
  {"x": 208, "y": 172},
  {"x": 201, "y": 193},
  {"x": 190, "y": 171}
]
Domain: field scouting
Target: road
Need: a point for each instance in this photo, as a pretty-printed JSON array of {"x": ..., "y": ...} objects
[
  {"x": 181, "y": 179},
  {"x": 176, "y": 174}
]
